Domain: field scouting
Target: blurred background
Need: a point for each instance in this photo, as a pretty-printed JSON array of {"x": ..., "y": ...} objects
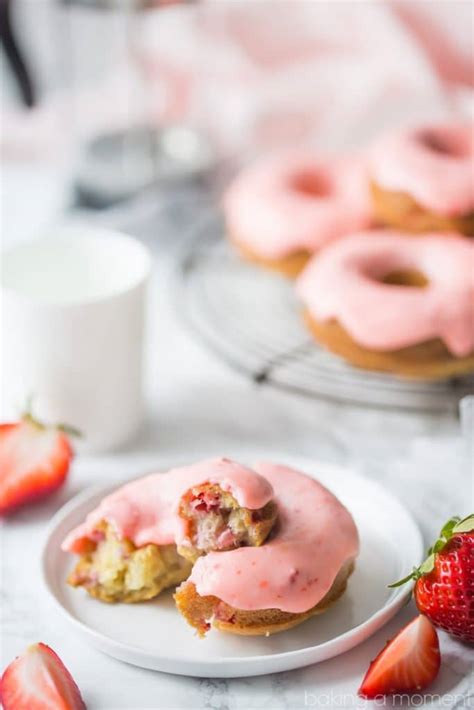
[{"x": 110, "y": 97}]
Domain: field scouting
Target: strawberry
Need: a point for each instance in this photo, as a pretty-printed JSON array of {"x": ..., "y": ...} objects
[
  {"x": 444, "y": 588},
  {"x": 39, "y": 680},
  {"x": 407, "y": 664},
  {"x": 34, "y": 461}
]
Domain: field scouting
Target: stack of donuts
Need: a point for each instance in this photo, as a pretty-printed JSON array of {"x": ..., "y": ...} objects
[{"x": 380, "y": 244}]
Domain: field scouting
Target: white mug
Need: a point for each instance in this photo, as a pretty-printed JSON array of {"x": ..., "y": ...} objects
[{"x": 73, "y": 317}]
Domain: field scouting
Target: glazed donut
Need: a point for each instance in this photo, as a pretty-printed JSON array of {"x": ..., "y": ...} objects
[
  {"x": 140, "y": 539},
  {"x": 281, "y": 210},
  {"x": 301, "y": 569},
  {"x": 422, "y": 178},
  {"x": 387, "y": 301},
  {"x": 129, "y": 545}
]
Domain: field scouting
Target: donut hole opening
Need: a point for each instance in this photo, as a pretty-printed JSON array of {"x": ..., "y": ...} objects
[
  {"x": 312, "y": 184},
  {"x": 412, "y": 278},
  {"x": 444, "y": 144}
]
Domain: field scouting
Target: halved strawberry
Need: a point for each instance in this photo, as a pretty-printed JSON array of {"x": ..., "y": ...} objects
[
  {"x": 39, "y": 680},
  {"x": 444, "y": 589},
  {"x": 34, "y": 461},
  {"x": 407, "y": 664}
]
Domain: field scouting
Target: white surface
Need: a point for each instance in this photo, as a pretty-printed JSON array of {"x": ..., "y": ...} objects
[
  {"x": 73, "y": 308},
  {"x": 389, "y": 539}
]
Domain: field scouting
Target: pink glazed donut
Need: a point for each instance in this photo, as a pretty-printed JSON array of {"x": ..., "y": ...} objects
[
  {"x": 281, "y": 210},
  {"x": 388, "y": 301},
  {"x": 131, "y": 546},
  {"x": 422, "y": 178}
]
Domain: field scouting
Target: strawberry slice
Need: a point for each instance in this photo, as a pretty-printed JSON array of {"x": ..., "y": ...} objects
[
  {"x": 39, "y": 680},
  {"x": 407, "y": 664},
  {"x": 34, "y": 461}
]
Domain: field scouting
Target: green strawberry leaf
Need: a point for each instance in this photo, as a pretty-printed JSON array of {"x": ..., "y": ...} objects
[
  {"x": 452, "y": 527},
  {"x": 28, "y": 416},
  {"x": 465, "y": 525},
  {"x": 427, "y": 566},
  {"x": 447, "y": 529},
  {"x": 69, "y": 430},
  {"x": 404, "y": 580}
]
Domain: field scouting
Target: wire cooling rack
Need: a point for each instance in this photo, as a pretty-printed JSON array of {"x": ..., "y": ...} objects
[{"x": 252, "y": 320}]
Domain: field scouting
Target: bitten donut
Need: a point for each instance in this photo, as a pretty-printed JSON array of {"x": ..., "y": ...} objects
[
  {"x": 300, "y": 571},
  {"x": 388, "y": 301},
  {"x": 215, "y": 521},
  {"x": 422, "y": 178},
  {"x": 141, "y": 538},
  {"x": 281, "y": 210}
]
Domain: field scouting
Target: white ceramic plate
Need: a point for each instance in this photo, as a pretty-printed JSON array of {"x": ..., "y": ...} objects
[{"x": 154, "y": 635}]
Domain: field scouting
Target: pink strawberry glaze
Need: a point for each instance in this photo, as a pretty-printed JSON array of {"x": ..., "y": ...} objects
[
  {"x": 146, "y": 510},
  {"x": 296, "y": 202},
  {"x": 295, "y": 568},
  {"x": 433, "y": 164},
  {"x": 343, "y": 283}
]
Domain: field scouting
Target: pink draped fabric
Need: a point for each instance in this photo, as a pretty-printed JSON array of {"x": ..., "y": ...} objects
[
  {"x": 268, "y": 74},
  {"x": 264, "y": 74}
]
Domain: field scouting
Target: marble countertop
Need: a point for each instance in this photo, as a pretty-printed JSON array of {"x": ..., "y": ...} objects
[{"x": 197, "y": 406}]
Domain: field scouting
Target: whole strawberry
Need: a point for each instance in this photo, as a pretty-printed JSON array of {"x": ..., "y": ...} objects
[{"x": 444, "y": 588}]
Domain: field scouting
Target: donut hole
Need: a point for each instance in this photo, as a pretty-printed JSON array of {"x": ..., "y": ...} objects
[
  {"x": 412, "y": 278},
  {"x": 312, "y": 184},
  {"x": 444, "y": 144}
]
